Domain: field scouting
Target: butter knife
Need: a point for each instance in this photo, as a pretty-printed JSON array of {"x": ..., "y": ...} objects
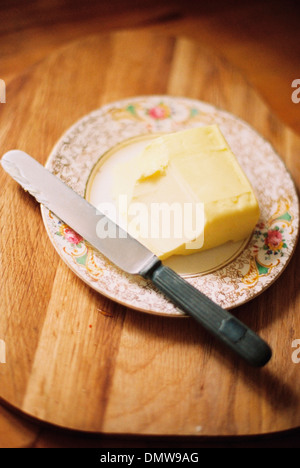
[{"x": 131, "y": 256}]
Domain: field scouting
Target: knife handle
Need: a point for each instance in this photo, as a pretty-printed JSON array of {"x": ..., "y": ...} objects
[{"x": 214, "y": 318}]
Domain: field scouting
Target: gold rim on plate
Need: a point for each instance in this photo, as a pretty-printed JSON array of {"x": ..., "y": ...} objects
[{"x": 246, "y": 271}]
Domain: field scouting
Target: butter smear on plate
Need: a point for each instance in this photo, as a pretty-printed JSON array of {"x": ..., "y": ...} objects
[{"x": 185, "y": 192}]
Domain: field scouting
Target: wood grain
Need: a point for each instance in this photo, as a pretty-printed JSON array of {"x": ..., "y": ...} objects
[
  {"x": 80, "y": 361},
  {"x": 259, "y": 38}
]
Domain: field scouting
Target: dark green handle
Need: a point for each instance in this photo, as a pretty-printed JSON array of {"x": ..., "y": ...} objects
[{"x": 218, "y": 321}]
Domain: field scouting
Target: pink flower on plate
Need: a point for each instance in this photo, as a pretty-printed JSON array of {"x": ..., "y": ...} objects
[
  {"x": 274, "y": 239},
  {"x": 72, "y": 236},
  {"x": 160, "y": 112}
]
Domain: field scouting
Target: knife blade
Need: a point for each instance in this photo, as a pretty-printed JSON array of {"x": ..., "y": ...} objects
[{"x": 133, "y": 257}]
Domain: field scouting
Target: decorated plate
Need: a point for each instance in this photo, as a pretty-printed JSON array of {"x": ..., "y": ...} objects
[{"x": 231, "y": 274}]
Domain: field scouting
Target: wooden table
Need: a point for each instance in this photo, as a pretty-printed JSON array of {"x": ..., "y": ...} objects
[{"x": 129, "y": 374}]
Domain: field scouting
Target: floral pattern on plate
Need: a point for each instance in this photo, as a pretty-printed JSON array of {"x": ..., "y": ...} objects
[{"x": 259, "y": 264}]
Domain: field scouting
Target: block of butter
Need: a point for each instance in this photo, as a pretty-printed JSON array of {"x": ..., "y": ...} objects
[{"x": 185, "y": 192}]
